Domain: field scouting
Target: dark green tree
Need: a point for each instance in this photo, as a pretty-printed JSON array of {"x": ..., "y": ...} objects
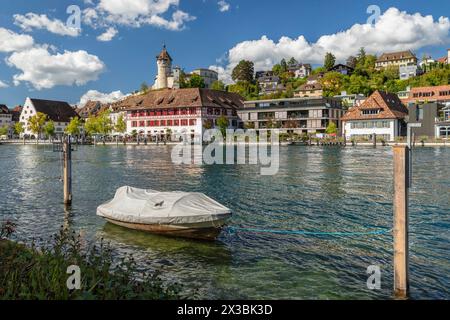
[
  {"x": 243, "y": 71},
  {"x": 329, "y": 61},
  {"x": 196, "y": 81}
]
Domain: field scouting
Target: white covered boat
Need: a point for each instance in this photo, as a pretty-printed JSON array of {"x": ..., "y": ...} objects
[{"x": 184, "y": 214}]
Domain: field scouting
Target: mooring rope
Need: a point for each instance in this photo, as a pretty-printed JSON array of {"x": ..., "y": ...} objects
[{"x": 379, "y": 231}]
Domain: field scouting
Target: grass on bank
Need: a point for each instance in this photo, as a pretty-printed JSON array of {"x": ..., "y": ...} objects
[{"x": 40, "y": 273}]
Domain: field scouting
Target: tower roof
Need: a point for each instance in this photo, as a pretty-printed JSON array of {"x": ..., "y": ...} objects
[{"x": 164, "y": 55}]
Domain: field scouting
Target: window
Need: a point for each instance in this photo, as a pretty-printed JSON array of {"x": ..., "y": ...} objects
[
  {"x": 192, "y": 122},
  {"x": 176, "y": 122},
  {"x": 370, "y": 111},
  {"x": 134, "y": 124},
  {"x": 141, "y": 123},
  {"x": 184, "y": 122},
  {"x": 169, "y": 122},
  {"x": 163, "y": 122},
  {"x": 419, "y": 113},
  {"x": 157, "y": 123}
]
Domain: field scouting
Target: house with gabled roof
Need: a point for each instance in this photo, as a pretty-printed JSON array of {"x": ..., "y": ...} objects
[
  {"x": 59, "y": 112},
  {"x": 396, "y": 59},
  {"x": 382, "y": 114},
  {"x": 159, "y": 113}
]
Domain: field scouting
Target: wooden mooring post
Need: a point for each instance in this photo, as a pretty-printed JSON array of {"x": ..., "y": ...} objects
[
  {"x": 67, "y": 171},
  {"x": 400, "y": 231}
]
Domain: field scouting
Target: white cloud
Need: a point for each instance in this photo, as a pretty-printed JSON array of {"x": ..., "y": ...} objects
[
  {"x": 32, "y": 21},
  {"x": 223, "y": 6},
  {"x": 136, "y": 13},
  {"x": 11, "y": 41},
  {"x": 45, "y": 70},
  {"x": 395, "y": 30},
  {"x": 3, "y": 84},
  {"x": 94, "y": 95},
  {"x": 108, "y": 35}
]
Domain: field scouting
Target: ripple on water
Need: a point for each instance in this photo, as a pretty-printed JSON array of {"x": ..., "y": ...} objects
[{"x": 316, "y": 189}]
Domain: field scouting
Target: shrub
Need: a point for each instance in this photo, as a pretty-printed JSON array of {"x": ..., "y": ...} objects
[{"x": 40, "y": 273}]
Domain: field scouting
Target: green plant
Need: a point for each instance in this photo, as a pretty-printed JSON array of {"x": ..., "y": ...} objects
[{"x": 40, "y": 273}]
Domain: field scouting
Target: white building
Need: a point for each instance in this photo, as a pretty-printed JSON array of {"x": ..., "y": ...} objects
[
  {"x": 59, "y": 112},
  {"x": 382, "y": 114},
  {"x": 209, "y": 76},
  {"x": 176, "y": 112}
]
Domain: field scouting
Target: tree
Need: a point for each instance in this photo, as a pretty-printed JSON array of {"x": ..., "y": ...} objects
[
  {"x": 222, "y": 123},
  {"x": 331, "y": 128},
  {"x": 330, "y": 60},
  {"x": 73, "y": 128},
  {"x": 284, "y": 66},
  {"x": 351, "y": 62},
  {"x": 49, "y": 129},
  {"x": 36, "y": 124},
  {"x": 332, "y": 83},
  {"x": 196, "y": 81},
  {"x": 18, "y": 128},
  {"x": 292, "y": 62},
  {"x": 121, "y": 125},
  {"x": 361, "y": 59},
  {"x": 144, "y": 87},
  {"x": 104, "y": 123},
  {"x": 218, "y": 85},
  {"x": 243, "y": 71},
  {"x": 4, "y": 130},
  {"x": 91, "y": 126}
]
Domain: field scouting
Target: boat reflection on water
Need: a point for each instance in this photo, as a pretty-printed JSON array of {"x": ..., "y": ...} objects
[{"x": 168, "y": 249}]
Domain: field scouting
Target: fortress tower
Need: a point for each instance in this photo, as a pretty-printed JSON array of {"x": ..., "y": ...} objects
[{"x": 164, "y": 62}]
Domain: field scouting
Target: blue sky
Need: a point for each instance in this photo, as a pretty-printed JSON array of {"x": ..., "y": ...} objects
[{"x": 200, "y": 36}]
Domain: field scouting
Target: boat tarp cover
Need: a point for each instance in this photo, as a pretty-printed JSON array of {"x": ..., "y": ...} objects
[{"x": 135, "y": 205}]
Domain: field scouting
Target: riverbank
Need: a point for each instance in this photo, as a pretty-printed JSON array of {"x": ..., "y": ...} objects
[
  {"x": 282, "y": 143},
  {"x": 30, "y": 273}
]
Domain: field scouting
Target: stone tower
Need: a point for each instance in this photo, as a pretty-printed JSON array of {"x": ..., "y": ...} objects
[{"x": 164, "y": 62}]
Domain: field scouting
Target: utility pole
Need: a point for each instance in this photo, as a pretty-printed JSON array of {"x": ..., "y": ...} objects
[{"x": 67, "y": 171}]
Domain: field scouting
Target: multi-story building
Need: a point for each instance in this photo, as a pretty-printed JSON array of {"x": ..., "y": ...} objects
[
  {"x": 342, "y": 69},
  {"x": 382, "y": 114},
  {"x": 300, "y": 70},
  {"x": 443, "y": 123},
  {"x": 309, "y": 90},
  {"x": 176, "y": 112},
  {"x": 268, "y": 82},
  {"x": 209, "y": 76},
  {"x": 445, "y": 60},
  {"x": 395, "y": 59},
  {"x": 300, "y": 115},
  {"x": 439, "y": 94},
  {"x": 434, "y": 119},
  {"x": 89, "y": 109},
  {"x": 351, "y": 100},
  {"x": 6, "y": 119},
  {"x": 59, "y": 112},
  {"x": 409, "y": 71}
]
